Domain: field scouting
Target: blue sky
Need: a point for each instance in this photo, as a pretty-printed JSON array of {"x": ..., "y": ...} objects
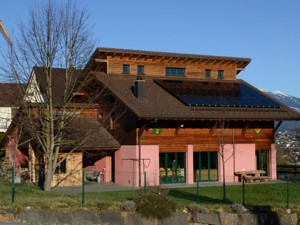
[{"x": 267, "y": 31}]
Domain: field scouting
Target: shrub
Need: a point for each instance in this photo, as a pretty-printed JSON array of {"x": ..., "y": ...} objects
[
  {"x": 103, "y": 205},
  {"x": 155, "y": 204},
  {"x": 128, "y": 206}
]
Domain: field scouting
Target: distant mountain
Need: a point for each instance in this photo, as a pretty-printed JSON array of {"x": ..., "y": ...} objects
[{"x": 290, "y": 101}]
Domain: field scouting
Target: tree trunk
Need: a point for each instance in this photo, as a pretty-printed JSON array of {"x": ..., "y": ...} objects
[
  {"x": 48, "y": 177},
  {"x": 224, "y": 175}
]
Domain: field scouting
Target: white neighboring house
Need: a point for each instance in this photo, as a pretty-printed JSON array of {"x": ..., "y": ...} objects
[
  {"x": 33, "y": 92},
  {"x": 11, "y": 98}
]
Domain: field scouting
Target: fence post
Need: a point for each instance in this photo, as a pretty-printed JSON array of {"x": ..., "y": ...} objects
[
  {"x": 197, "y": 175},
  {"x": 287, "y": 194},
  {"x": 145, "y": 182},
  {"x": 82, "y": 200},
  {"x": 13, "y": 186},
  {"x": 243, "y": 190}
]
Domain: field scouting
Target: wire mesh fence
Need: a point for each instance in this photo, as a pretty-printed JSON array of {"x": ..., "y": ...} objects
[{"x": 184, "y": 188}]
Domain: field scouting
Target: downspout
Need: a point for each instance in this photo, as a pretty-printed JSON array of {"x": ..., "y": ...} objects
[{"x": 140, "y": 133}]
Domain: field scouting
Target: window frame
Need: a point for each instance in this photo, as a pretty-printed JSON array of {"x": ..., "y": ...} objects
[
  {"x": 207, "y": 73},
  {"x": 220, "y": 74},
  {"x": 175, "y": 71},
  {"x": 62, "y": 168},
  {"x": 126, "y": 68},
  {"x": 142, "y": 67}
]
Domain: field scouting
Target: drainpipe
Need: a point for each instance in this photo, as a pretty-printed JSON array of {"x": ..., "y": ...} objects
[{"x": 140, "y": 133}]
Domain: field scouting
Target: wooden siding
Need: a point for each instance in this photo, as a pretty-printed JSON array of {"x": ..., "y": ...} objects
[
  {"x": 73, "y": 175},
  {"x": 203, "y": 139},
  {"x": 157, "y": 67}
]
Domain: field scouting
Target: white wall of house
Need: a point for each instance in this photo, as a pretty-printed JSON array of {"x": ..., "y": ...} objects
[
  {"x": 5, "y": 118},
  {"x": 33, "y": 93}
]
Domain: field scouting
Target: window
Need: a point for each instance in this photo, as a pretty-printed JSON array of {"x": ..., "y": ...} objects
[
  {"x": 220, "y": 74},
  {"x": 140, "y": 69},
  {"x": 171, "y": 71},
  {"x": 207, "y": 73},
  {"x": 126, "y": 68},
  {"x": 62, "y": 168}
]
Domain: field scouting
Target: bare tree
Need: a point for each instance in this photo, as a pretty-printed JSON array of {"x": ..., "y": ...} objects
[
  {"x": 55, "y": 36},
  {"x": 224, "y": 152}
]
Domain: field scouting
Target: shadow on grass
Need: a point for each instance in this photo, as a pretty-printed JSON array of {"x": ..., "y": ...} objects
[
  {"x": 264, "y": 215},
  {"x": 181, "y": 194}
]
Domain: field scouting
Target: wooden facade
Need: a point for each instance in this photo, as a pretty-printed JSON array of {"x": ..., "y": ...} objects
[
  {"x": 156, "y": 64},
  {"x": 181, "y": 132},
  {"x": 161, "y": 123},
  {"x": 157, "y": 67}
]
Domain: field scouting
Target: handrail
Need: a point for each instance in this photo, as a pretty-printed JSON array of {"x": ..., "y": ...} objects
[{"x": 288, "y": 169}]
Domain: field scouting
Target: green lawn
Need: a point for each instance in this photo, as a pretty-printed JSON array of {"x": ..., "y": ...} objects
[{"x": 269, "y": 196}]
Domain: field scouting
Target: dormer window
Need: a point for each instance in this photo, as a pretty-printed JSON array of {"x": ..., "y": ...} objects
[
  {"x": 220, "y": 74},
  {"x": 126, "y": 68},
  {"x": 207, "y": 74},
  {"x": 140, "y": 70},
  {"x": 173, "y": 71}
]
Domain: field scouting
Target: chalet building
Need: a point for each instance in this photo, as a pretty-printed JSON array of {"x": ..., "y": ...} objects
[
  {"x": 11, "y": 98},
  {"x": 185, "y": 115},
  {"x": 162, "y": 118},
  {"x": 90, "y": 144}
]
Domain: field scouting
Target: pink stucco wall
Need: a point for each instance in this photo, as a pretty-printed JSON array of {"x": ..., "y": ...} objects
[
  {"x": 104, "y": 166},
  {"x": 126, "y": 165},
  {"x": 239, "y": 157},
  {"x": 16, "y": 157},
  {"x": 190, "y": 165},
  {"x": 243, "y": 159},
  {"x": 273, "y": 162}
]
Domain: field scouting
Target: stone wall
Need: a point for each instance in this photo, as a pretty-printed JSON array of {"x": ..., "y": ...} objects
[{"x": 115, "y": 217}]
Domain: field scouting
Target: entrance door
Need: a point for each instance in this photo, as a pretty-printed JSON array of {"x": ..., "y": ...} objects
[
  {"x": 206, "y": 166},
  {"x": 172, "y": 167},
  {"x": 262, "y": 161}
]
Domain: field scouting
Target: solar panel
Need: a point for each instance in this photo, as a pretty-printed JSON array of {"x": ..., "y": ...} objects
[{"x": 216, "y": 94}]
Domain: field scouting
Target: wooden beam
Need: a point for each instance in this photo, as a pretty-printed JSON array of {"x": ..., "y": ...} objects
[
  {"x": 101, "y": 60},
  {"x": 211, "y": 131},
  {"x": 277, "y": 127},
  {"x": 178, "y": 128},
  {"x": 245, "y": 128}
]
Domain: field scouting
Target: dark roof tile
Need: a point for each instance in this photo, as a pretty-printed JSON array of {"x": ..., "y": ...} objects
[
  {"x": 160, "y": 104},
  {"x": 11, "y": 94}
]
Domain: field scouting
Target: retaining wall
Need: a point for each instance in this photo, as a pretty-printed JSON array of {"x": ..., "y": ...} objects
[{"x": 114, "y": 217}]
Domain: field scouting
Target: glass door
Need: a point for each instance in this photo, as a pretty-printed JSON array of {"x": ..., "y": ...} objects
[
  {"x": 206, "y": 166},
  {"x": 262, "y": 161},
  {"x": 172, "y": 167}
]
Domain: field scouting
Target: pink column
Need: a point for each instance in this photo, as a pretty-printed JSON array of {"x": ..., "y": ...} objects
[
  {"x": 273, "y": 163},
  {"x": 126, "y": 165},
  {"x": 190, "y": 164}
]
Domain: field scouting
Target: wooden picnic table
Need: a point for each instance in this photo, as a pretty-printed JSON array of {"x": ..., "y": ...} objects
[{"x": 252, "y": 175}]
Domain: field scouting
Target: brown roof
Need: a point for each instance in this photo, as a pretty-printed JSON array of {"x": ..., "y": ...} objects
[
  {"x": 160, "y": 104},
  {"x": 87, "y": 133},
  {"x": 58, "y": 82},
  {"x": 11, "y": 94},
  {"x": 170, "y": 54},
  {"x": 79, "y": 134}
]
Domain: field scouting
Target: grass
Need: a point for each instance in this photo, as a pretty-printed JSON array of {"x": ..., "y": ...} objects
[{"x": 263, "y": 196}]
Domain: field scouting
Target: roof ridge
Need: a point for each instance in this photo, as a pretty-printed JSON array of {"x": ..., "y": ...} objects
[{"x": 172, "y": 54}]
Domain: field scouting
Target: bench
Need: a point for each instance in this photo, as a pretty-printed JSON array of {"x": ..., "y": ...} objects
[{"x": 251, "y": 179}]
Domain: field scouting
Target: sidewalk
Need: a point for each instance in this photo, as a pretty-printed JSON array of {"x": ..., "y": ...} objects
[{"x": 106, "y": 187}]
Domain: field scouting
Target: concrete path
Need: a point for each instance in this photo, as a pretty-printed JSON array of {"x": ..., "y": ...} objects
[{"x": 106, "y": 187}]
